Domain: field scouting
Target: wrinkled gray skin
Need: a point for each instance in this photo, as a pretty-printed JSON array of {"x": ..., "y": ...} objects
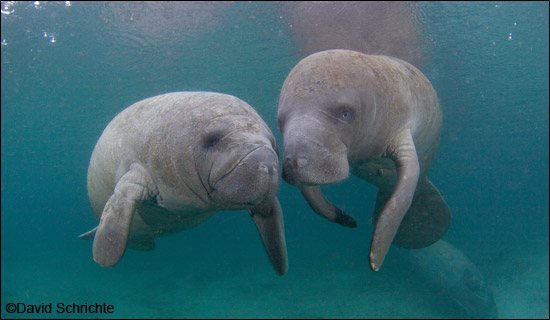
[
  {"x": 168, "y": 163},
  {"x": 452, "y": 276},
  {"x": 378, "y": 117}
]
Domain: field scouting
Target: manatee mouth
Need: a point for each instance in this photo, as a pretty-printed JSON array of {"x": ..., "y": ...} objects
[
  {"x": 252, "y": 180},
  {"x": 291, "y": 179},
  {"x": 313, "y": 158},
  {"x": 237, "y": 163},
  {"x": 315, "y": 170}
]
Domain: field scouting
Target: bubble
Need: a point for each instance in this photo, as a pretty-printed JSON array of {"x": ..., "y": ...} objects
[{"x": 7, "y": 7}]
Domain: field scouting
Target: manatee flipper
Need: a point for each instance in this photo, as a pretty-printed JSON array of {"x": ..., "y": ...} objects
[
  {"x": 403, "y": 152},
  {"x": 111, "y": 236},
  {"x": 88, "y": 235},
  {"x": 426, "y": 221},
  {"x": 143, "y": 243},
  {"x": 317, "y": 201},
  {"x": 268, "y": 218}
]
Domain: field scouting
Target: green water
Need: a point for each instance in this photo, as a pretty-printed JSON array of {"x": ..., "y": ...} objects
[{"x": 69, "y": 68}]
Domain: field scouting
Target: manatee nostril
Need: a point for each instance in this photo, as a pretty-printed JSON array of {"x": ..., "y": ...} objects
[
  {"x": 263, "y": 168},
  {"x": 301, "y": 162},
  {"x": 298, "y": 161}
]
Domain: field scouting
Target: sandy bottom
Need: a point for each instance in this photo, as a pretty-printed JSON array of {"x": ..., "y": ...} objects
[{"x": 218, "y": 283}]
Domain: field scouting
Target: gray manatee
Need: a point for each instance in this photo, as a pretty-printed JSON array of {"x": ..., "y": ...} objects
[
  {"x": 170, "y": 162},
  {"x": 455, "y": 278},
  {"x": 378, "y": 117}
]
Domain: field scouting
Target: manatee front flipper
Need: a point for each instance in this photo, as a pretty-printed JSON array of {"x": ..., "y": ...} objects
[
  {"x": 325, "y": 208},
  {"x": 403, "y": 152},
  {"x": 427, "y": 220},
  {"x": 112, "y": 233},
  {"x": 143, "y": 243},
  {"x": 88, "y": 235},
  {"x": 268, "y": 218}
]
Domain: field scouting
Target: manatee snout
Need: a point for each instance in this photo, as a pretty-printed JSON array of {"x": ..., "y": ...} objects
[
  {"x": 254, "y": 179},
  {"x": 291, "y": 166},
  {"x": 308, "y": 162}
]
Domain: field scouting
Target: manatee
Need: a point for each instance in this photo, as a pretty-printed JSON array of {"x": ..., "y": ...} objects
[
  {"x": 454, "y": 278},
  {"x": 378, "y": 117},
  {"x": 170, "y": 162}
]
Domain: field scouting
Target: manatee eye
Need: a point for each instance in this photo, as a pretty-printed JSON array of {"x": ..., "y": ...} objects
[
  {"x": 212, "y": 139},
  {"x": 344, "y": 113},
  {"x": 211, "y": 143}
]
